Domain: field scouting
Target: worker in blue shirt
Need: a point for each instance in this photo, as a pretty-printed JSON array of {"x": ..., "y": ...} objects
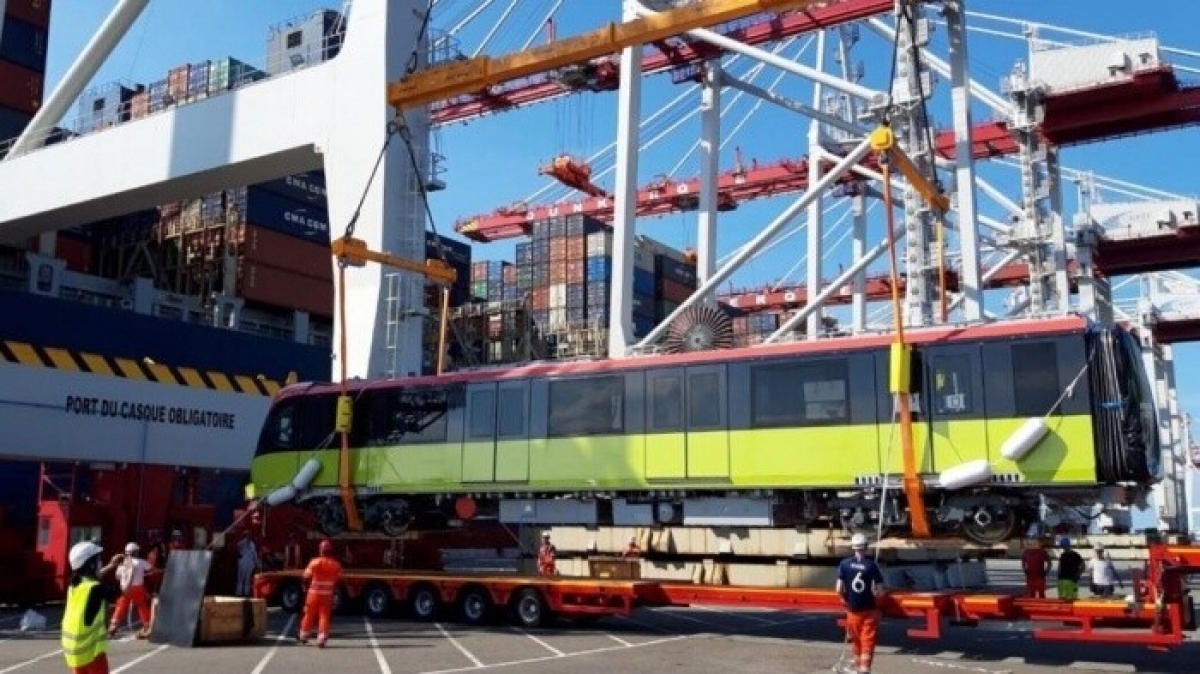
[{"x": 860, "y": 582}]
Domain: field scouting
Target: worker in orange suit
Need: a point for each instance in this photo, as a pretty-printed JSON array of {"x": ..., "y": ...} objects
[
  {"x": 860, "y": 583},
  {"x": 631, "y": 548},
  {"x": 132, "y": 576},
  {"x": 1035, "y": 562},
  {"x": 547, "y": 557},
  {"x": 320, "y": 580}
]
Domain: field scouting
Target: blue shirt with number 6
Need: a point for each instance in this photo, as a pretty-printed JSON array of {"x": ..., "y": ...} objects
[{"x": 859, "y": 579}]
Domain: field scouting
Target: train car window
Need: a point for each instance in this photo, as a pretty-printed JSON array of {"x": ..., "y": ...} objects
[
  {"x": 815, "y": 393},
  {"x": 278, "y": 432},
  {"x": 1035, "y": 378},
  {"x": 511, "y": 422},
  {"x": 395, "y": 421},
  {"x": 704, "y": 400},
  {"x": 952, "y": 377},
  {"x": 483, "y": 421},
  {"x": 314, "y": 422},
  {"x": 592, "y": 406},
  {"x": 667, "y": 403}
]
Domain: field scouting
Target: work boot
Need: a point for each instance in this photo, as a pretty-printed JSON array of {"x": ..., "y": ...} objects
[
  {"x": 144, "y": 633},
  {"x": 302, "y": 639}
]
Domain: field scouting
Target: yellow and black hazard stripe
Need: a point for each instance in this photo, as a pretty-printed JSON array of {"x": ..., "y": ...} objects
[{"x": 145, "y": 369}]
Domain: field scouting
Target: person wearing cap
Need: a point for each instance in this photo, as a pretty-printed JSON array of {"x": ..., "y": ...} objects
[
  {"x": 131, "y": 574},
  {"x": 320, "y": 581},
  {"x": 1103, "y": 572},
  {"x": 860, "y": 583},
  {"x": 84, "y": 637},
  {"x": 1070, "y": 569},
  {"x": 547, "y": 564}
]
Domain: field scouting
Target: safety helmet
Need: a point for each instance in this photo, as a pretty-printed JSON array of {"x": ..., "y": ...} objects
[
  {"x": 545, "y": 534},
  {"x": 858, "y": 542},
  {"x": 82, "y": 553},
  {"x": 326, "y": 547},
  {"x": 131, "y": 548},
  {"x": 1064, "y": 542}
]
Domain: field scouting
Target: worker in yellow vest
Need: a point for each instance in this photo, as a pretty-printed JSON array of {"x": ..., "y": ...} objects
[{"x": 84, "y": 633}]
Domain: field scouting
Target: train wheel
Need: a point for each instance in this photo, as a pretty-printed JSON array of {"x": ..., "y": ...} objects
[
  {"x": 994, "y": 521},
  {"x": 424, "y": 603},
  {"x": 475, "y": 606},
  {"x": 530, "y": 608},
  {"x": 377, "y": 600}
]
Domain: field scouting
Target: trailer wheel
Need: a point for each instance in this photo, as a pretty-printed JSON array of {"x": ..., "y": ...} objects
[
  {"x": 530, "y": 608},
  {"x": 377, "y": 600},
  {"x": 423, "y": 602},
  {"x": 475, "y": 606},
  {"x": 291, "y": 597}
]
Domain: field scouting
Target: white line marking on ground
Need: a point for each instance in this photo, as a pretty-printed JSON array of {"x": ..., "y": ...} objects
[
  {"x": 383, "y": 665},
  {"x": 542, "y": 643},
  {"x": 461, "y": 649},
  {"x": 39, "y": 658},
  {"x": 139, "y": 659},
  {"x": 617, "y": 639},
  {"x": 283, "y": 635},
  {"x": 545, "y": 658}
]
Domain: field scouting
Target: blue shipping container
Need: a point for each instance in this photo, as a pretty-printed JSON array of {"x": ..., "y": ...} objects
[
  {"x": 12, "y": 123},
  {"x": 674, "y": 270},
  {"x": 643, "y": 282},
  {"x": 271, "y": 211},
  {"x": 597, "y": 294},
  {"x": 307, "y": 187},
  {"x": 599, "y": 268},
  {"x": 524, "y": 251},
  {"x": 24, "y": 44},
  {"x": 576, "y": 295},
  {"x": 511, "y": 293},
  {"x": 158, "y": 95},
  {"x": 198, "y": 78},
  {"x": 643, "y": 306},
  {"x": 598, "y": 313},
  {"x": 642, "y": 326},
  {"x": 576, "y": 315}
]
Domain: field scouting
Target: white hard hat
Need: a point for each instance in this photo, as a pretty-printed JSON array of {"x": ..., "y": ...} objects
[
  {"x": 131, "y": 548},
  {"x": 81, "y": 553},
  {"x": 545, "y": 534},
  {"x": 858, "y": 541}
]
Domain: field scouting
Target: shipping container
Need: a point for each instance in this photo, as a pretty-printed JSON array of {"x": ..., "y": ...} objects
[
  {"x": 523, "y": 253},
  {"x": 198, "y": 80},
  {"x": 479, "y": 290},
  {"x": 583, "y": 224},
  {"x": 597, "y": 314},
  {"x": 558, "y": 249},
  {"x": 576, "y": 316},
  {"x": 558, "y": 273},
  {"x": 576, "y": 271},
  {"x": 674, "y": 292},
  {"x": 675, "y": 270},
  {"x": 495, "y": 293},
  {"x": 276, "y": 287},
  {"x": 22, "y": 90},
  {"x": 511, "y": 293},
  {"x": 558, "y": 228},
  {"x": 558, "y": 317},
  {"x": 540, "y": 230},
  {"x": 599, "y": 244},
  {"x": 12, "y": 123},
  {"x": 139, "y": 105},
  {"x": 307, "y": 187},
  {"x": 509, "y": 275},
  {"x": 576, "y": 247},
  {"x": 643, "y": 306},
  {"x": 77, "y": 254},
  {"x": 643, "y": 282},
  {"x": 177, "y": 82},
  {"x": 541, "y": 251},
  {"x": 33, "y": 12},
  {"x": 288, "y": 253},
  {"x": 558, "y": 295},
  {"x": 159, "y": 100},
  {"x": 599, "y": 269},
  {"x": 576, "y": 295},
  {"x": 269, "y": 210},
  {"x": 597, "y": 294},
  {"x": 229, "y": 73},
  {"x": 644, "y": 259},
  {"x": 541, "y": 298},
  {"x": 541, "y": 317},
  {"x": 24, "y": 44},
  {"x": 642, "y": 326},
  {"x": 541, "y": 275}
]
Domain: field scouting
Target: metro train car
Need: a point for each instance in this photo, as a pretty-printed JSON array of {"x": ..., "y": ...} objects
[{"x": 1006, "y": 418}]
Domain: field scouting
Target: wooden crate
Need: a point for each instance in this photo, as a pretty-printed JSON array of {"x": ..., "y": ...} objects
[
  {"x": 615, "y": 568},
  {"x": 226, "y": 619}
]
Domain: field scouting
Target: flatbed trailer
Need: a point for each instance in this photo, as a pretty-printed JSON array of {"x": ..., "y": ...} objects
[{"x": 1156, "y": 614}]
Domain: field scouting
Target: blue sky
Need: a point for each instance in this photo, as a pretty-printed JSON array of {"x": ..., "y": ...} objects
[{"x": 177, "y": 31}]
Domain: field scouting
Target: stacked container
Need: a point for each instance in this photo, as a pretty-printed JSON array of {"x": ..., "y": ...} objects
[
  {"x": 23, "y": 44},
  {"x": 488, "y": 280}
]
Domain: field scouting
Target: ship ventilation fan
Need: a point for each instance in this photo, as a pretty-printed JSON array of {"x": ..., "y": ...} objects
[{"x": 700, "y": 328}]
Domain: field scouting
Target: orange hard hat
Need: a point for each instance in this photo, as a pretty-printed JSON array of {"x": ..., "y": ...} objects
[{"x": 326, "y": 547}]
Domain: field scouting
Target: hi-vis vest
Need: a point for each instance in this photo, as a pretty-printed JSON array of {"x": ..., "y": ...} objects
[{"x": 82, "y": 643}]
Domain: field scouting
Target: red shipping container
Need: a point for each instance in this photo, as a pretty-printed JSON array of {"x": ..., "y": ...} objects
[
  {"x": 673, "y": 291},
  {"x": 286, "y": 252},
  {"x": 576, "y": 272},
  {"x": 22, "y": 90},
  {"x": 558, "y": 249},
  {"x": 576, "y": 248},
  {"x": 509, "y": 275},
  {"x": 558, "y": 273},
  {"x": 177, "y": 82},
  {"x": 541, "y": 298},
  {"x": 139, "y": 105},
  {"x": 33, "y": 12},
  {"x": 77, "y": 254},
  {"x": 264, "y": 284}
]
